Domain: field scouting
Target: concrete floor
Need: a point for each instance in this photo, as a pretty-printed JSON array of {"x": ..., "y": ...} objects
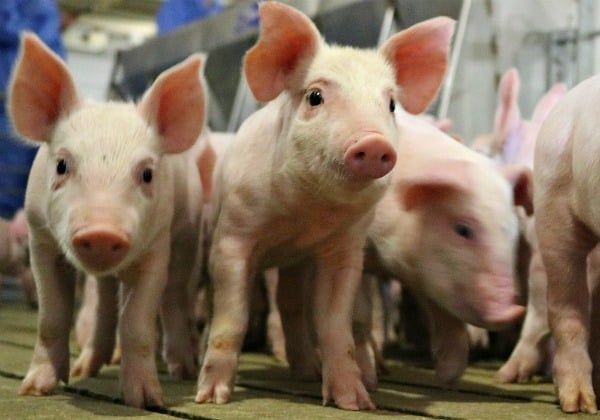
[{"x": 263, "y": 389}]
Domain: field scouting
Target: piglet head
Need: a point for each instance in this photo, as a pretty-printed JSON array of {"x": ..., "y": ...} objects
[
  {"x": 107, "y": 192},
  {"x": 467, "y": 239},
  {"x": 338, "y": 103}
]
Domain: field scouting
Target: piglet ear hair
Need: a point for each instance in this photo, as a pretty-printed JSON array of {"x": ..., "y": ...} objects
[
  {"x": 175, "y": 105},
  {"x": 286, "y": 37},
  {"x": 434, "y": 183},
  {"x": 419, "y": 56},
  {"x": 521, "y": 179},
  {"x": 41, "y": 90}
]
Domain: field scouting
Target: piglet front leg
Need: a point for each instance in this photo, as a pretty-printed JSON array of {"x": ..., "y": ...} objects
[
  {"x": 336, "y": 284},
  {"x": 56, "y": 286},
  {"x": 142, "y": 287},
  {"x": 449, "y": 343},
  {"x": 231, "y": 277}
]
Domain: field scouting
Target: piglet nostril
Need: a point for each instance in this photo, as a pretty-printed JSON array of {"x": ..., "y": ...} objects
[
  {"x": 371, "y": 157},
  {"x": 100, "y": 247}
]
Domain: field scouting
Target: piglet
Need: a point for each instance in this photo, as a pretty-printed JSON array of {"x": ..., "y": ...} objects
[
  {"x": 108, "y": 196},
  {"x": 302, "y": 178},
  {"x": 567, "y": 226},
  {"x": 513, "y": 142},
  {"x": 447, "y": 229},
  {"x": 14, "y": 255}
]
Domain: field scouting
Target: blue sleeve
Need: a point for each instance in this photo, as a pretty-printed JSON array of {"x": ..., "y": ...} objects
[
  {"x": 43, "y": 18},
  {"x": 176, "y": 13}
]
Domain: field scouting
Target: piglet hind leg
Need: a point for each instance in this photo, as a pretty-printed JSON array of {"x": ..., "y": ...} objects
[
  {"x": 533, "y": 347},
  {"x": 176, "y": 308},
  {"x": 100, "y": 343},
  {"x": 564, "y": 253},
  {"x": 594, "y": 283},
  {"x": 362, "y": 327},
  {"x": 56, "y": 286},
  {"x": 336, "y": 284},
  {"x": 292, "y": 299},
  {"x": 228, "y": 321}
]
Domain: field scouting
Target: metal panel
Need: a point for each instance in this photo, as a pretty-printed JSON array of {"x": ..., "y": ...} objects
[{"x": 361, "y": 23}]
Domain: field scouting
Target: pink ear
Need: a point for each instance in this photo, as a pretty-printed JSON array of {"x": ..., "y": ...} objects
[
  {"x": 206, "y": 166},
  {"x": 286, "y": 36},
  {"x": 419, "y": 55},
  {"x": 508, "y": 114},
  {"x": 521, "y": 179},
  {"x": 175, "y": 105},
  {"x": 445, "y": 176},
  {"x": 40, "y": 91},
  {"x": 547, "y": 102}
]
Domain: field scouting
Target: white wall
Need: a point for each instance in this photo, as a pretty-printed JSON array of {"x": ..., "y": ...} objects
[
  {"x": 91, "y": 73},
  {"x": 499, "y": 36}
]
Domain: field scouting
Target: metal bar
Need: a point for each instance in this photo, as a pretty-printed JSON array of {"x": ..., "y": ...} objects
[{"x": 454, "y": 58}]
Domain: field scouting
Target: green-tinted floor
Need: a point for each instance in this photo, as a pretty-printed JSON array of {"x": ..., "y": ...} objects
[{"x": 263, "y": 390}]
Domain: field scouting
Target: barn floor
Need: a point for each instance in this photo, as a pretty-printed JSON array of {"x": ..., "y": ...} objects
[{"x": 263, "y": 389}]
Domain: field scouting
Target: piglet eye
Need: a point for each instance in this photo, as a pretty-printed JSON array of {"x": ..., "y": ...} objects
[
  {"x": 147, "y": 175},
  {"x": 463, "y": 231},
  {"x": 392, "y": 105},
  {"x": 315, "y": 98},
  {"x": 61, "y": 167}
]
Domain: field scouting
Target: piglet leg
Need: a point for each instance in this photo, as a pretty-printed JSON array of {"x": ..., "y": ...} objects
[
  {"x": 336, "y": 284},
  {"x": 56, "y": 286},
  {"x": 142, "y": 287},
  {"x": 99, "y": 346},
  {"x": 294, "y": 286},
  {"x": 176, "y": 311},
  {"x": 228, "y": 323},
  {"x": 533, "y": 347},
  {"x": 564, "y": 253},
  {"x": 449, "y": 343}
]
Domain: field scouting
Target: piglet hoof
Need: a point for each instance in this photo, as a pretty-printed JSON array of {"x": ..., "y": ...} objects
[
  {"x": 348, "y": 394},
  {"x": 218, "y": 393},
  {"x": 215, "y": 383},
  {"x": 87, "y": 364},
  {"x": 519, "y": 368},
  {"x": 577, "y": 396},
  {"x": 366, "y": 363},
  {"x": 144, "y": 392},
  {"x": 182, "y": 370},
  {"x": 573, "y": 379},
  {"x": 116, "y": 356},
  {"x": 40, "y": 380}
]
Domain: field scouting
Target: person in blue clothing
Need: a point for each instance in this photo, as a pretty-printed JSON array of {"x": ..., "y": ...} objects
[
  {"x": 176, "y": 13},
  {"x": 43, "y": 18}
]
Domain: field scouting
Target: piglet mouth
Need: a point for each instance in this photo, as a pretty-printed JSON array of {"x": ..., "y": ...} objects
[
  {"x": 100, "y": 248},
  {"x": 494, "y": 302},
  {"x": 499, "y": 318}
]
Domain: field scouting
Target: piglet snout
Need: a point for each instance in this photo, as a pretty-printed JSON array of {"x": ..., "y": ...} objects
[
  {"x": 371, "y": 157},
  {"x": 100, "y": 248}
]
